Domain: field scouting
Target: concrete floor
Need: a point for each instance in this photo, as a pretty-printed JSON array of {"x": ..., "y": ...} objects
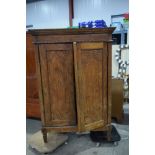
[{"x": 82, "y": 144}]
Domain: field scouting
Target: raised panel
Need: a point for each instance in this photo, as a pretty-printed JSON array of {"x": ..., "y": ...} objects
[
  {"x": 92, "y": 84},
  {"x": 60, "y": 67},
  {"x": 58, "y": 84}
]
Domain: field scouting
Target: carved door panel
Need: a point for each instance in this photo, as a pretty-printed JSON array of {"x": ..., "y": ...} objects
[
  {"x": 57, "y": 72},
  {"x": 91, "y": 84}
]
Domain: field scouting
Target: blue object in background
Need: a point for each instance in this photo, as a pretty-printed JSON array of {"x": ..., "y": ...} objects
[{"x": 93, "y": 24}]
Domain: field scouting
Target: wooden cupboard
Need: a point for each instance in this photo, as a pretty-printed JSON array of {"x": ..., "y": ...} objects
[{"x": 74, "y": 76}]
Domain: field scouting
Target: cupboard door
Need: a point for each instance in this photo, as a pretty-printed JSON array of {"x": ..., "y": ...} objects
[
  {"x": 57, "y": 72},
  {"x": 91, "y": 84}
]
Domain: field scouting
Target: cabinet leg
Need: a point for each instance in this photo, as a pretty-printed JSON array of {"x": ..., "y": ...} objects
[
  {"x": 44, "y": 132},
  {"x": 109, "y": 133}
]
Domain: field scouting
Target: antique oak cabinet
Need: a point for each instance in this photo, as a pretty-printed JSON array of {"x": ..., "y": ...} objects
[{"x": 74, "y": 75}]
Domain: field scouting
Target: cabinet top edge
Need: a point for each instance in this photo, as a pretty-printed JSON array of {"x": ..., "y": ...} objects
[{"x": 36, "y": 32}]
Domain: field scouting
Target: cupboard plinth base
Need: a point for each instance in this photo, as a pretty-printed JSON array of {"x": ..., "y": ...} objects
[
  {"x": 69, "y": 129},
  {"x": 66, "y": 129}
]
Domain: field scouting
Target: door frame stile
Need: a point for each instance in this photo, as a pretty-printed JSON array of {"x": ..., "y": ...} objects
[
  {"x": 45, "y": 86},
  {"x": 79, "y": 112},
  {"x": 39, "y": 80},
  {"x": 105, "y": 82},
  {"x": 109, "y": 80}
]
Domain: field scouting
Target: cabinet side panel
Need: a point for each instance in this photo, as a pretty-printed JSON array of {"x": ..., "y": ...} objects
[
  {"x": 109, "y": 47},
  {"x": 32, "y": 94},
  {"x": 105, "y": 83}
]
